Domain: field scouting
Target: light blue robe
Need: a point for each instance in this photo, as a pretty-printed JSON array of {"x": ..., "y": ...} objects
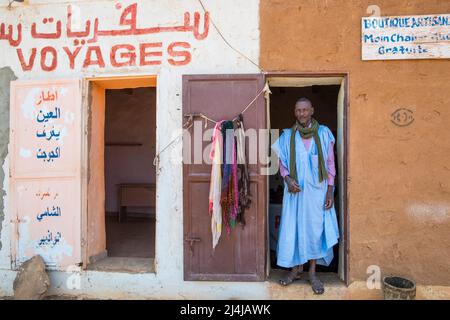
[{"x": 307, "y": 230}]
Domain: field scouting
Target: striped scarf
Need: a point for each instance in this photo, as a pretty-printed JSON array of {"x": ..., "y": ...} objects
[{"x": 307, "y": 133}]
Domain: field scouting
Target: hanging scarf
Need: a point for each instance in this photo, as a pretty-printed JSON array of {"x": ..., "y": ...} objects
[
  {"x": 229, "y": 193},
  {"x": 215, "y": 208},
  {"x": 307, "y": 133},
  {"x": 229, "y": 177},
  {"x": 243, "y": 177}
]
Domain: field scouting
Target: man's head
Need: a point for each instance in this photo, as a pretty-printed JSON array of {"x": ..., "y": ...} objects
[{"x": 304, "y": 111}]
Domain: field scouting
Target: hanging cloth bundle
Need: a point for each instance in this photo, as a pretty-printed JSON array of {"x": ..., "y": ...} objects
[
  {"x": 243, "y": 176},
  {"x": 215, "y": 208},
  {"x": 229, "y": 194},
  {"x": 229, "y": 198}
]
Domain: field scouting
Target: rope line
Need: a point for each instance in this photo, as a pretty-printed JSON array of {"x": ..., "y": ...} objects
[
  {"x": 190, "y": 122},
  {"x": 226, "y": 41}
]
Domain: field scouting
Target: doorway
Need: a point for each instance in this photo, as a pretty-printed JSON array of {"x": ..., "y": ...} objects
[
  {"x": 120, "y": 221},
  {"x": 327, "y": 95}
]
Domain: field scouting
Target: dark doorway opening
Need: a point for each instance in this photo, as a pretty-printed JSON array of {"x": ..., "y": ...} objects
[
  {"x": 130, "y": 139},
  {"x": 325, "y": 101}
]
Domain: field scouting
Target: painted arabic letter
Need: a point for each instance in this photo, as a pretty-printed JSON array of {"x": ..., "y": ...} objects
[
  {"x": 15, "y": 42},
  {"x": 50, "y": 96},
  {"x": 51, "y": 136},
  {"x": 9, "y": 36},
  {"x": 95, "y": 33},
  {"x": 40, "y": 120},
  {"x": 197, "y": 34},
  {"x": 41, "y": 98},
  {"x": 41, "y": 135},
  {"x": 56, "y": 134},
  {"x": 132, "y": 20},
  {"x": 187, "y": 20},
  {"x": 52, "y": 155},
  {"x": 49, "y": 116},
  {"x": 43, "y": 35},
  {"x": 3, "y": 32},
  {"x": 124, "y": 21}
]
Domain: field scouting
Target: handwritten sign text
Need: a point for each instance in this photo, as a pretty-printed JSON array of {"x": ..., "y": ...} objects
[{"x": 406, "y": 37}]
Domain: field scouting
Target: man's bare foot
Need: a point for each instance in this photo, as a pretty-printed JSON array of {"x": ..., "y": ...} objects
[{"x": 293, "y": 275}]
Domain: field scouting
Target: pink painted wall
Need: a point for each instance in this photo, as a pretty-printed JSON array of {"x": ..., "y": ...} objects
[{"x": 130, "y": 118}]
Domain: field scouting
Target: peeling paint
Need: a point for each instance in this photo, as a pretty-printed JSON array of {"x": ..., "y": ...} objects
[
  {"x": 26, "y": 244},
  {"x": 435, "y": 212},
  {"x": 6, "y": 76}
]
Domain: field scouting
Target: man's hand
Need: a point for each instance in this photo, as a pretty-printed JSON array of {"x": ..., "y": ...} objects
[
  {"x": 329, "y": 198},
  {"x": 293, "y": 186}
]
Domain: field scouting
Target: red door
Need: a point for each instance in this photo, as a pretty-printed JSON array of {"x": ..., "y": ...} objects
[{"x": 239, "y": 256}]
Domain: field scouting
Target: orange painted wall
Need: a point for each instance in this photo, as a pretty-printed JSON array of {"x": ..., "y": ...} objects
[
  {"x": 96, "y": 183},
  {"x": 399, "y": 189}
]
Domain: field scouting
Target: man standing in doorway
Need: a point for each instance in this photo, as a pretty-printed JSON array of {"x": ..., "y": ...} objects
[{"x": 308, "y": 229}]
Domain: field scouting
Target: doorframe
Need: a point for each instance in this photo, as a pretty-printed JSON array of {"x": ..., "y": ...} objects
[
  {"x": 107, "y": 82},
  {"x": 346, "y": 111}
]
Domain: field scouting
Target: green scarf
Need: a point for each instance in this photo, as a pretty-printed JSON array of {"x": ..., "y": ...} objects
[{"x": 307, "y": 133}]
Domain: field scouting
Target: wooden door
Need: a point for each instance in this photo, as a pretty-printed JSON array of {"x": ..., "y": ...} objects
[
  {"x": 45, "y": 172},
  {"x": 239, "y": 256}
]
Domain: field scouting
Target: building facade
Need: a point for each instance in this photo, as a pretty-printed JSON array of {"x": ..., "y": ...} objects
[{"x": 215, "y": 58}]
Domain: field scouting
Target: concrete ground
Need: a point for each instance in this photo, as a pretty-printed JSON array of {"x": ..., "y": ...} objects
[
  {"x": 131, "y": 248},
  {"x": 300, "y": 290},
  {"x": 335, "y": 289}
]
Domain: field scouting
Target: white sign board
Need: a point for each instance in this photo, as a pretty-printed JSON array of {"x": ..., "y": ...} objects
[{"x": 406, "y": 37}]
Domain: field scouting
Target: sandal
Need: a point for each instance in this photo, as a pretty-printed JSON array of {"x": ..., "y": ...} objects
[
  {"x": 317, "y": 286},
  {"x": 292, "y": 276}
]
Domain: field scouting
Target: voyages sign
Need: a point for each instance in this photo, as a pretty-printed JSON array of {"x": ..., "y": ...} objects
[
  {"x": 406, "y": 37},
  {"x": 103, "y": 36}
]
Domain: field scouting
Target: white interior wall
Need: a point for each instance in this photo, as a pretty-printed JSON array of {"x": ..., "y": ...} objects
[{"x": 130, "y": 118}]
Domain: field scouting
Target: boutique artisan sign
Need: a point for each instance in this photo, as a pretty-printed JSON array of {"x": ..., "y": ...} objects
[{"x": 406, "y": 37}]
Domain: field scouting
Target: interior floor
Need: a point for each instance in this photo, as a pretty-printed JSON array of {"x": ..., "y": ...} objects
[
  {"x": 134, "y": 238},
  {"x": 130, "y": 246}
]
